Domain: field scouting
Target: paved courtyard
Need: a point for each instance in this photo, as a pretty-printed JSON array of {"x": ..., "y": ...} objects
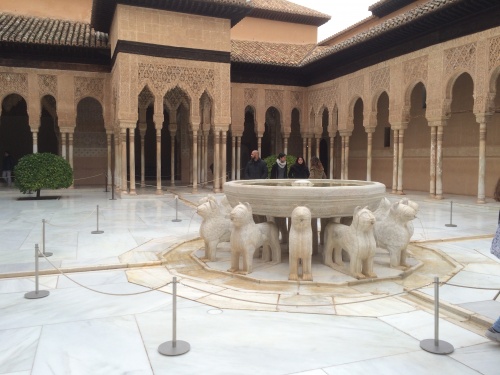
[{"x": 112, "y": 308}]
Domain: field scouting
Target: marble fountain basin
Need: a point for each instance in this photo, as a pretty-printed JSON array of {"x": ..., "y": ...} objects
[{"x": 325, "y": 198}]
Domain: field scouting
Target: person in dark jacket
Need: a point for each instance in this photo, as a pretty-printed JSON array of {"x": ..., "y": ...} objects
[
  {"x": 299, "y": 169},
  {"x": 256, "y": 168},
  {"x": 7, "y": 167},
  {"x": 280, "y": 169}
]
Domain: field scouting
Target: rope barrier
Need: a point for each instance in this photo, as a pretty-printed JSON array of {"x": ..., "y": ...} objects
[
  {"x": 468, "y": 287},
  {"x": 71, "y": 226},
  {"x": 89, "y": 177},
  {"x": 100, "y": 292}
]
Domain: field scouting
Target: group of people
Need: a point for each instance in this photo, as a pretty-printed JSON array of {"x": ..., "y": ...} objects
[{"x": 256, "y": 168}]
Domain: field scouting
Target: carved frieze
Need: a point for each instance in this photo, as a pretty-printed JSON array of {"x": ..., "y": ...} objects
[
  {"x": 356, "y": 86},
  {"x": 296, "y": 99},
  {"x": 251, "y": 97},
  {"x": 89, "y": 87},
  {"x": 14, "y": 83},
  {"x": 379, "y": 80},
  {"x": 462, "y": 57},
  {"x": 47, "y": 85},
  {"x": 494, "y": 53},
  {"x": 274, "y": 98},
  {"x": 415, "y": 70}
]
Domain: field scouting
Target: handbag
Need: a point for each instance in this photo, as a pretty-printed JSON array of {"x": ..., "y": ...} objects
[{"x": 495, "y": 244}]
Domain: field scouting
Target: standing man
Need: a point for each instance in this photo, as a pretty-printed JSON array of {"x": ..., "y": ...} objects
[
  {"x": 256, "y": 168},
  {"x": 7, "y": 167},
  {"x": 280, "y": 169}
]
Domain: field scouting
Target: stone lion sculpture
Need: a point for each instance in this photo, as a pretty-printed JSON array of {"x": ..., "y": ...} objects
[
  {"x": 300, "y": 244},
  {"x": 357, "y": 240},
  {"x": 215, "y": 227},
  {"x": 393, "y": 233},
  {"x": 246, "y": 237},
  {"x": 385, "y": 205},
  {"x": 224, "y": 205}
]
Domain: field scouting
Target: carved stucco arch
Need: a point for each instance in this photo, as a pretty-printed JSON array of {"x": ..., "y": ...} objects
[
  {"x": 318, "y": 128},
  {"x": 448, "y": 89},
  {"x": 89, "y": 87},
  {"x": 185, "y": 99},
  {"x": 370, "y": 112},
  {"x": 206, "y": 109},
  {"x": 350, "y": 113}
]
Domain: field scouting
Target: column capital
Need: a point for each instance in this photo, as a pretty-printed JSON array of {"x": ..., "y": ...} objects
[{"x": 345, "y": 133}]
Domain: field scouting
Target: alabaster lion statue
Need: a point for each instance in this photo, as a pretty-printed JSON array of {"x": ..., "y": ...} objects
[
  {"x": 215, "y": 226},
  {"x": 300, "y": 244},
  {"x": 356, "y": 239},
  {"x": 393, "y": 233},
  {"x": 247, "y": 237},
  {"x": 385, "y": 205}
]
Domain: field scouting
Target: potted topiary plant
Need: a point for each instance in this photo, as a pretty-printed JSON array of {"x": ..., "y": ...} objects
[{"x": 39, "y": 171}]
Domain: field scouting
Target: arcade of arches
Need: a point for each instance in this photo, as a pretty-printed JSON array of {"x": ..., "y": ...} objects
[{"x": 425, "y": 121}]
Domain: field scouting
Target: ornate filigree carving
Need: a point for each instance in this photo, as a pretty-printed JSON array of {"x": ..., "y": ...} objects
[
  {"x": 296, "y": 99},
  {"x": 380, "y": 79},
  {"x": 161, "y": 76},
  {"x": 14, "y": 83},
  {"x": 463, "y": 57},
  {"x": 251, "y": 97},
  {"x": 494, "y": 57},
  {"x": 274, "y": 98},
  {"x": 415, "y": 70},
  {"x": 47, "y": 85},
  {"x": 175, "y": 97},
  {"x": 146, "y": 98},
  {"x": 356, "y": 86},
  {"x": 323, "y": 97},
  {"x": 92, "y": 87}
]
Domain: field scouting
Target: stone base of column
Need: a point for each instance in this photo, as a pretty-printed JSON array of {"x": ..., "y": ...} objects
[
  {"x": 438, "y": 197},
  {"x": 159, "y": 192},
  {"x": 133, "y": 193},
  {"x": 195, "y": 190},
  {"x": 143, "y": 185},
  {"x": 481, "y": 201},
  {"x": 400, "y": 192},
  {"x": 394, "y": 191}
]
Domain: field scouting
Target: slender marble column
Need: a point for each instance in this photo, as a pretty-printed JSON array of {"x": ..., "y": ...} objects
[
  {"x": 285, "y": 142},
  {"x": 481, "y": 197},
  {"x": 342, "y": 161},
  {"x": 346, "y": 173},
  {"x": 238, "y": 158},
  {"x": 217, "y": 161},
  {"x": 118, "y": 165},
  {"x": 400, "y": 161},
  {"x": 309, "y": 151},
  {"x": 395, "y": 156},
  {"x": 200, "y": 156},
  {"x": 439, "y": 163},
  {"x": 110, "y": 155},
  {"x": 195, "y": 161},
  {"x": 205, "y": 154},
  {"x": 142, "y": 134},
  {"x": 173, "y": 130},
  {"x": 330, "y": 153},
  {"x": 432, "y": 188},
  {"x": 233, "y": 158},
  {"x": 318, "y": 140},
  {"x": 259, "y": 146},
  {"x": 304, "y": 151},
  {"x": 369, "y": 155},
  {"x": 34, "y": 135},
  {"x": 123, "y": 136},
  {"x": 131, "y": 144},
  {"x": 223, "y": 168},
  {"x": 63, "y": 145},
  {"x": 158, "y": 162},
  {"x": 70, "y": 150}
]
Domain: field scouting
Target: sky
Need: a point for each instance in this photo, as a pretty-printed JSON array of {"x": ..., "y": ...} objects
[{"x": 344, "y": 13}]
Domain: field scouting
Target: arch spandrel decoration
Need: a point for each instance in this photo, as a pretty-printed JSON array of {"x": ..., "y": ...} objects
[
  {"x": 47, "y": 85},
  {"x": 462, "y": 57},
  {"x": 162, "y": 77},
  {"x": 250, "y": 98},
  {"x": 380, "y": 80},
  {"x": 89, "y": 87},
  {"x": 416, "y": 70},
  {"x": 274, "y": 98},
  {"x": 296, "y": 100},
  {"x": 14, "y": 83},
  {"x": 494, "y": 53}
]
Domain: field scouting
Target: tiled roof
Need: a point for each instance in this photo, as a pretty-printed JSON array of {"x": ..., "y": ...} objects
[
  {"x": 391, "y": 24},
  {"x": 33, "y": 30},
  {"x": 384, "y": 7},
  {"x": 287, "y": 7},
  {"x": 280, "y": 54}
]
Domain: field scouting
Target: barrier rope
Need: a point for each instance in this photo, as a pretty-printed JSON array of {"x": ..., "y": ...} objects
[
  {"x": 101, "y": 292},
  {"x": 71, "y": 226},
  {"x": 89, "y": 177}
]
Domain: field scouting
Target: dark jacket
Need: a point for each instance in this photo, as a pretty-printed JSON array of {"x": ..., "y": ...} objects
[
  {"x": 256, "y": 170},
  {"x": 298, "y": 171},
  {"x": 274, "y": 171},
  {"x": 8, "y": 163}
]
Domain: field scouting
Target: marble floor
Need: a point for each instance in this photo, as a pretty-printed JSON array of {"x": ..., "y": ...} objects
[{"x": 112, "y": 306}]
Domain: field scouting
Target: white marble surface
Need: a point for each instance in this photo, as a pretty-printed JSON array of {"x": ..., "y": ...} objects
[{"x": 77, "y": 331}]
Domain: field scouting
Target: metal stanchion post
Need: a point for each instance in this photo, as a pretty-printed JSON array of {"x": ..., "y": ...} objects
[
  {"x": 435, "y": 345},
  {"x": 97, "y": 231},
  {"x": 451, "y": 216},
  {"x": 113, "y": 186},
  {"x": 37, "y": 293},
  {"x": 105, "y": 182},
  {"x": 46, "y": 254},
  {"x": 174, "y": 347},
  {"x": 176, "y": 220}
]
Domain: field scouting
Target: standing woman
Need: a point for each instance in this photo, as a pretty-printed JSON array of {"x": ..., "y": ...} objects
[
  {"x": 317, "y": 171},
  {"x": 299, "y": 169}
]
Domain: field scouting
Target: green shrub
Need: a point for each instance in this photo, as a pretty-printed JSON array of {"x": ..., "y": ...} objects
[
  {"x": 39, "y": 171},
  {"x": 271, "y": 159}
]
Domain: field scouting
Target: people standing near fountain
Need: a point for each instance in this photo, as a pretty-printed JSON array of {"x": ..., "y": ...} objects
[
  {"x": 256, "y": 168},
  {"x": 493, "y": 333},
  {"x": 299, "y": 169},
  {"x": 317, "y": 171},
  {"x": 280, "y": 169}
]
